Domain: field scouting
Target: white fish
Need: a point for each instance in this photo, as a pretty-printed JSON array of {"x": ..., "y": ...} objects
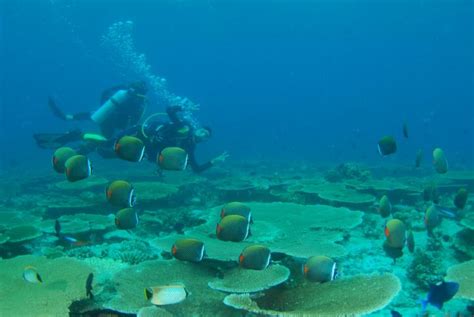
[
  {"x": 166, "y": 294},
  {"x": 31, "y": 275}
]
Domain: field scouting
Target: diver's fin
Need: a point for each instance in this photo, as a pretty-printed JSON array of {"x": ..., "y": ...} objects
[
  {"x": 55, "y": 109},
  {"x": 55, "y": 140},
  {"x": 47, "y": 140}
]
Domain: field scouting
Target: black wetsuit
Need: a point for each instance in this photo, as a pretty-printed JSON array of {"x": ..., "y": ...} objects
[
  {"x": 162, "y": 135},
  {"x": 124, "y": 116}
]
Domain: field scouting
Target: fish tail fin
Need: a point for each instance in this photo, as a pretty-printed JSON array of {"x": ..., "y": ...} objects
[
  {"x": 148, "y": 293},
  {"x": 424, "y": 304}
]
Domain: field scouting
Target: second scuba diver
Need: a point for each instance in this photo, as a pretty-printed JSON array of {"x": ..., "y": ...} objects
[{"x": 177, "y": 132}]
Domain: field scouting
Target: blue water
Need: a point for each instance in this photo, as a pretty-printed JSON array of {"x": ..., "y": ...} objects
[{"x": 299, "y": 80}]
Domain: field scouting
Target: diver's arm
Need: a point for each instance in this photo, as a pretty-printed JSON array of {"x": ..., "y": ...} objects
[
  {"x": 173, "y": 114},
  {"x": 133, "y": 130},
  {"x": 197, "y": 168}
]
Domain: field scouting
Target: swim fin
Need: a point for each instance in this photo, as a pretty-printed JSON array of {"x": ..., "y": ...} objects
[
  {"x": 55, "y": 109},
  {"x": 55, "y": 140}
]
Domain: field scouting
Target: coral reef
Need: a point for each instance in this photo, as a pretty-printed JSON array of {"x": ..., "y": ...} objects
[
  {"x": 80, "y": 224},
  {"x": 202, "y": 301},
  {"x": 334, "y": 194},
  {"x": 21, "y": 234},
  {"x": 153, "y": 311},
  {"x": 319, "y": 228},
  {"x": 131, "y": 252},
  {"x": 347, "y": 171},
  {"x": 295, "y": 215},
  {"x": 425, "y": 269},
  {"x": 464, "y": 242},
  {"x": 463, "y": 274},
  {"x": 154, "y": 194},
  {"x": 249, "y": 281},
  {"x": 17, "y": 217},
  {"x": 362, "y": 294},
  {"x": 63, "y": 282},
  {"x": 92, "y": 182}
]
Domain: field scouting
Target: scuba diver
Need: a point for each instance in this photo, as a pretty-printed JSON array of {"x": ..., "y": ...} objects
[
  {"x": 122, "y": 107},
  {"x": 121, "y": 110},
  {"x": 176, "y": 133}
]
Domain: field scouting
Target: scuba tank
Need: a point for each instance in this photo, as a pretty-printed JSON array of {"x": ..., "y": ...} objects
[{"x": 110, "y": 105}]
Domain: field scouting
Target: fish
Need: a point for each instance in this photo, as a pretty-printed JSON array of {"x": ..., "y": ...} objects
[
  {"x": 394, "y": 313},
  {"x": 120, "y": 194},
  {"x": 387, "y": 145},
  {"x": 191, "y": 250},
  {"x": 385, "y": 207},
  {"x": 460, "y": 199},
  {"x": 395, "y": 233},
  {"x": 173, "y": 159},
  {"x": 446, "y": 212},
  {"x": 57, "y": 228},
  {"x": 320, "y": 269},
  {"x": 78, "y": 167},
  {"x": 405, "y": 130},
  {"x": 439, "y": 294},
  {"x": 440, "y": 163},
  {"x": 130, "y": 148},
  {"x": 430, "y": 192},
  {"x": 237, "y": 208},
  {"x": 233, "y": 228},
  {"x": 75, "y": 242},
  {"x": 410, "y": 241},
  {"x": 470, "y": 309},
  {"x": 126, "y": 218},
  {"x": 255, "y": 257},
  {"x": 31, "y": 275},
  {"x": 392, "y": 252},
  {"x": 179, "y": 227},
  {"x": 432, "y": 218},
  {"x": 419, "y": 158},
  {"x": 89, "y": 281},
  {"x": 60, "y": 156},
  {"x": 166, "y": 294}
]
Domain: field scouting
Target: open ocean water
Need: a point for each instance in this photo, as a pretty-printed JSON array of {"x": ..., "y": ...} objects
[{"x": 236, "y": 158}]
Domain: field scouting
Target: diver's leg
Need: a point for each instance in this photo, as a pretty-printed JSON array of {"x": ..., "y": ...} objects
[
  {"x": 55, "y": 140},
  {"x": 69, "y": 117}
]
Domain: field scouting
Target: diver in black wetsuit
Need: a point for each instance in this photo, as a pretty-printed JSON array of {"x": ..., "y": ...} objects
[
  {"x": 122, "y": 107},
  {"x": 176, "y": 132}
]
